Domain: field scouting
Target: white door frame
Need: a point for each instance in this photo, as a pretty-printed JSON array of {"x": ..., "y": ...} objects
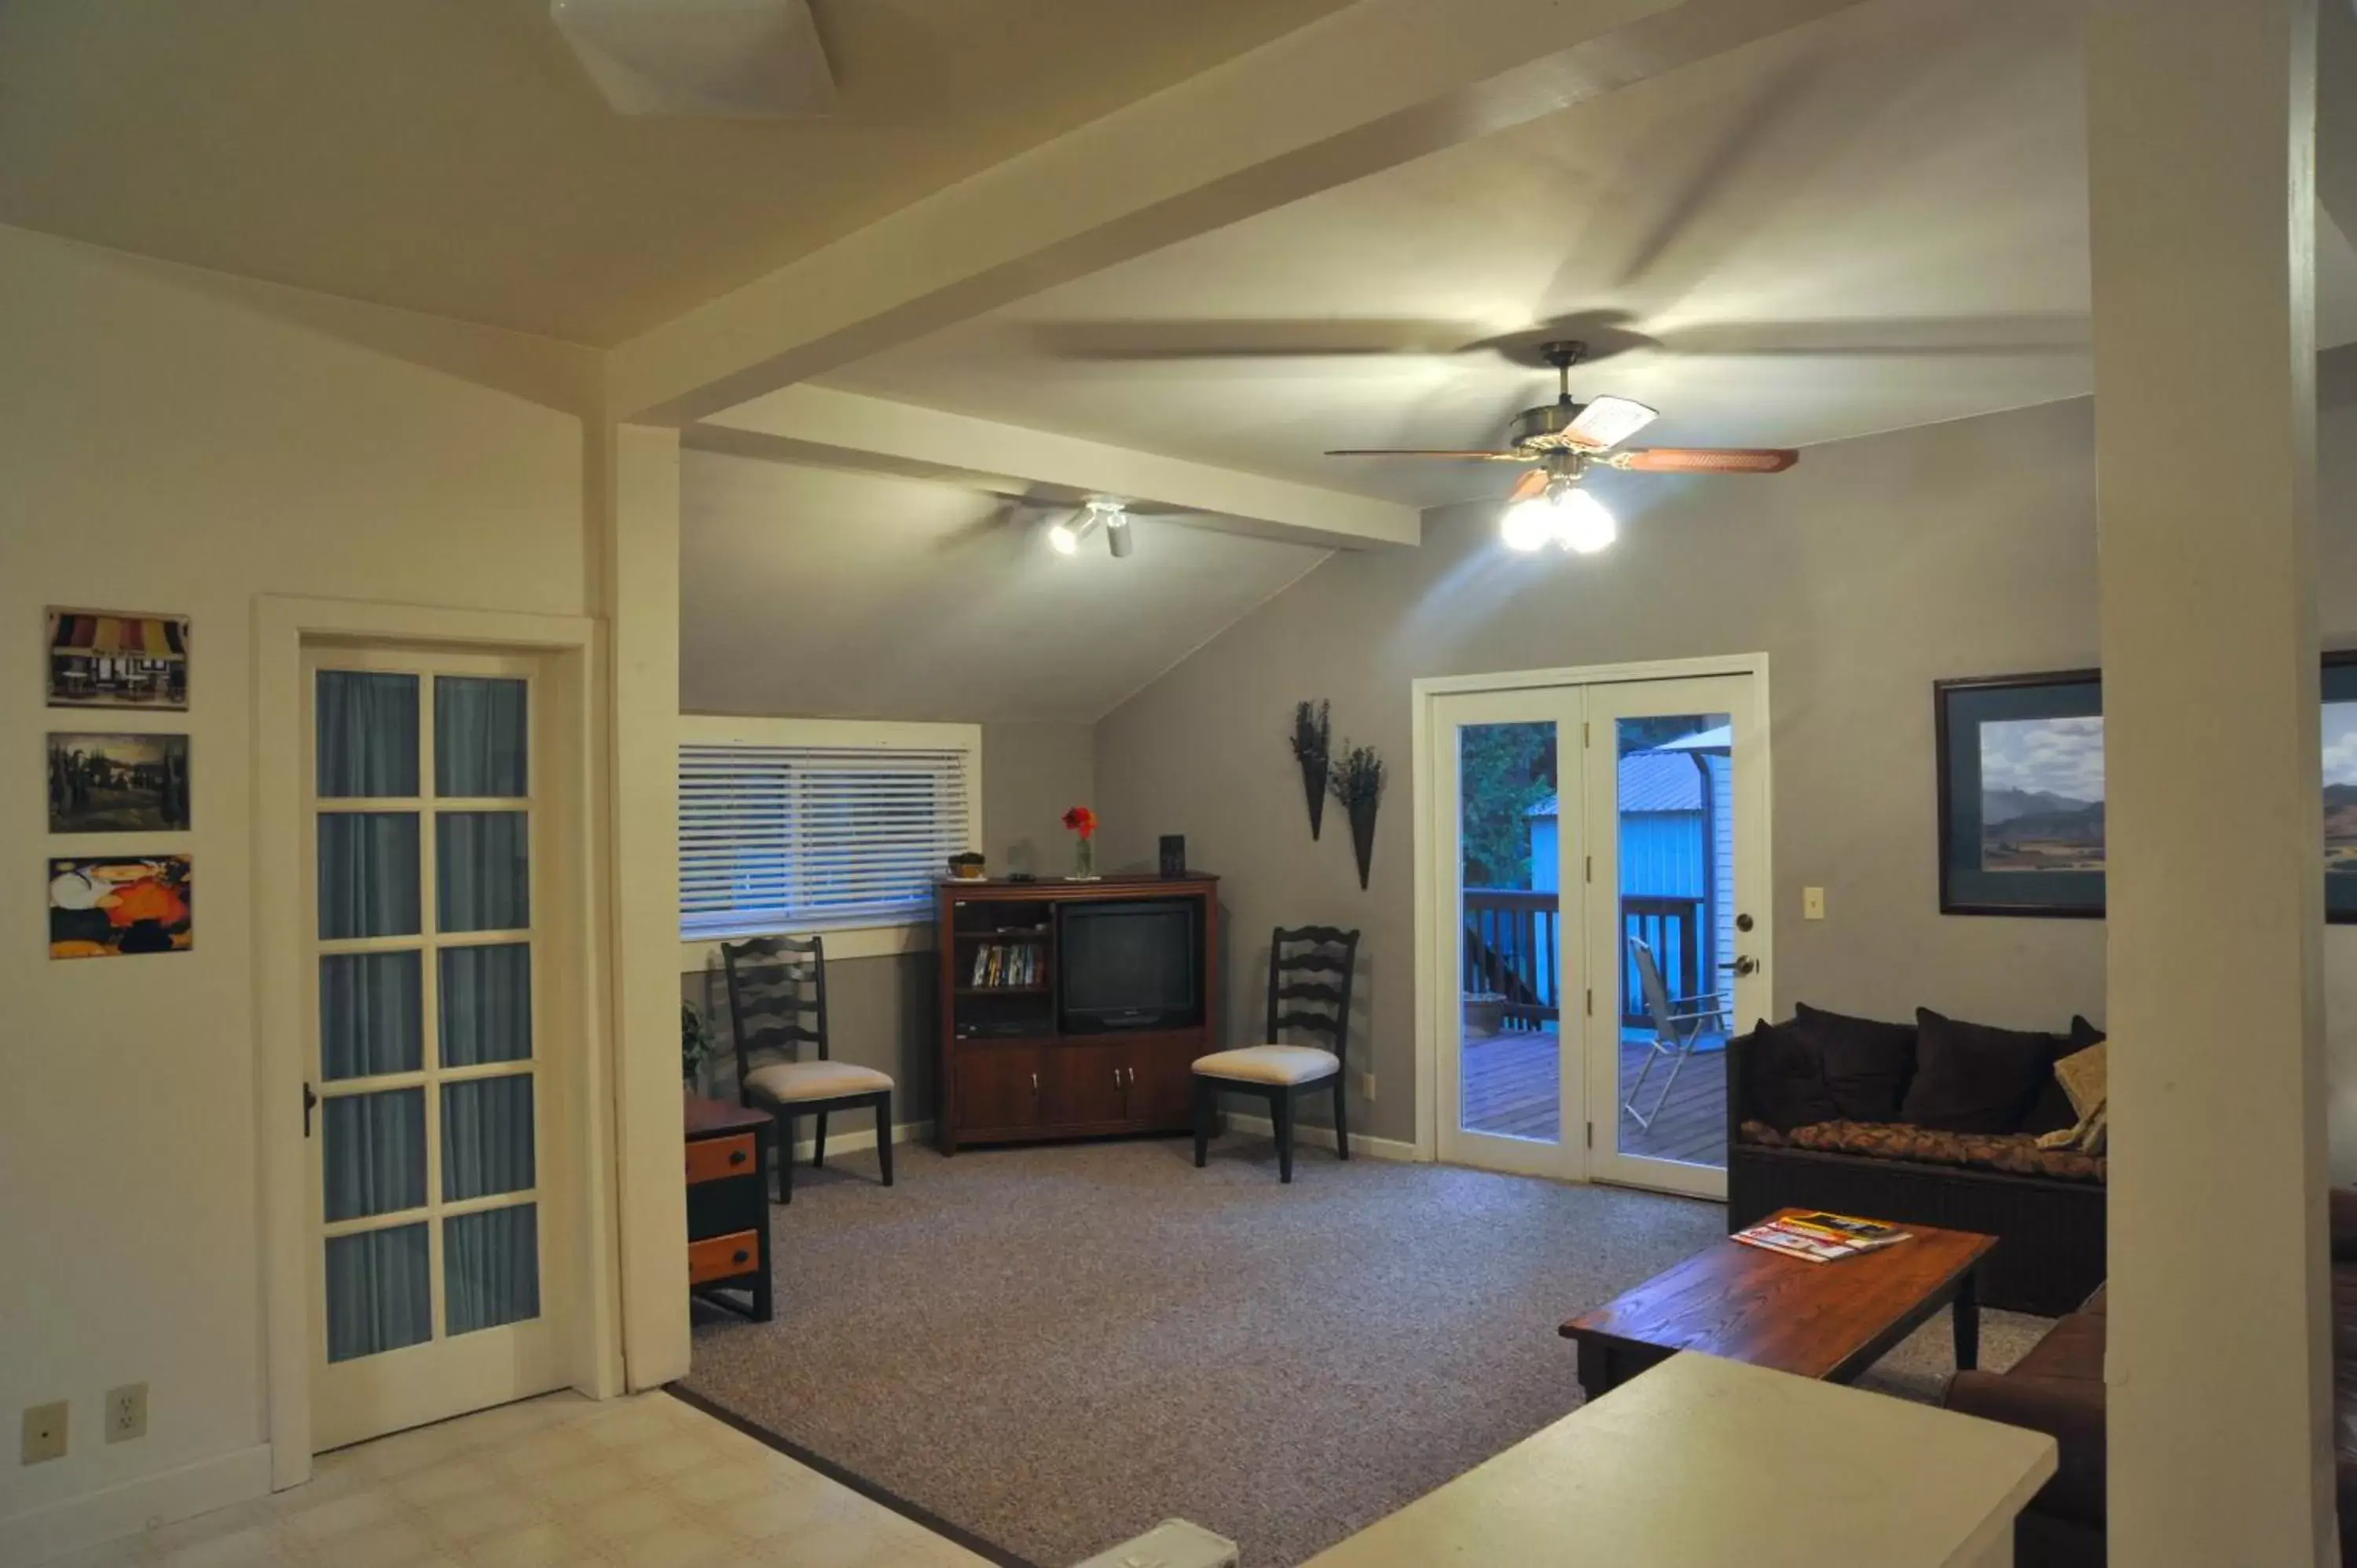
[
  {"x": 1436, "y": 982},
  {"x": 573, "y": 649}
]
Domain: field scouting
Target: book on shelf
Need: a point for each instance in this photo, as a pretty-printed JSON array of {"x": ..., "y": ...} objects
[{"x": 1820, "y": 1237}]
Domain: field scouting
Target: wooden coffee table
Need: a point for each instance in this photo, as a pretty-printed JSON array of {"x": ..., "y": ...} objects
[{"x": 1818, "y": 1320}]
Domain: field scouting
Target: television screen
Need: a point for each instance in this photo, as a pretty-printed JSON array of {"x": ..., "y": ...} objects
[{"x": 1128, "y": 965}]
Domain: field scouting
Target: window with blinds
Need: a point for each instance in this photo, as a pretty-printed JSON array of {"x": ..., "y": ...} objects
[{"x": 780, "y": 838}]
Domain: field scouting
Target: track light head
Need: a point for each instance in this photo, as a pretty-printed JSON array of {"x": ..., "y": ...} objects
[{"x": 1064, "y": 538}]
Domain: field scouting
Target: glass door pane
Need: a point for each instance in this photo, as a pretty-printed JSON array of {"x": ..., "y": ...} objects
[
  {"x": 1674, "y": 799},
  {"x": 1509, "y": 846},
  {"x": 1677, "y": 913}
]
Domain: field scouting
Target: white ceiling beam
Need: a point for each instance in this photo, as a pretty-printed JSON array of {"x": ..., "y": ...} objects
[
  {"x": 1367, "y": 87},
  {"x": 845, "y": 430}
]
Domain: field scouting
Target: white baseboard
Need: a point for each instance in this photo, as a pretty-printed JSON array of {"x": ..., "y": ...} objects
[
  {"x": 851, "y": 1143},
  {"x": 1323, "y": 1137},
  {"x": 75, "y": 1524}
]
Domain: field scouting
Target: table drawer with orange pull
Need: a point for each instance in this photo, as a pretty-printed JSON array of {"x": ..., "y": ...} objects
[
  {"x": 723, "y": 1257},
  {"x": 728, "y": 1206},
  {"x": 713, "y": 1159}
]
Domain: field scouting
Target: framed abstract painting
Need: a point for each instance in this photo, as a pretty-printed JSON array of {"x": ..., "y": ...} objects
[{"x": 112, "y": 905}]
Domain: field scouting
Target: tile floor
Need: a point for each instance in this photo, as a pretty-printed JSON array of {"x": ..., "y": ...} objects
[{"x": 644, "y": 1482}]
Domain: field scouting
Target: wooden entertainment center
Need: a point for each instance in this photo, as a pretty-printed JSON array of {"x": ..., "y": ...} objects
[{"x": 1015, "y": 1065}]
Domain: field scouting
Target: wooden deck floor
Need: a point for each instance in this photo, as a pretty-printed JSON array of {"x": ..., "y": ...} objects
[{"x": 1512, "y": 1089}]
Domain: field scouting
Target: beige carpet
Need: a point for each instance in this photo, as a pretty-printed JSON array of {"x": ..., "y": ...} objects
[{"x": 1052, "y": 1348}]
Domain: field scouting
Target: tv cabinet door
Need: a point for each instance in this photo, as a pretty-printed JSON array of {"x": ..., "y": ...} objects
[
  {"x": 1002, "y": 1090},
  {"x": 1090, "y": 1088},
  {"x": 1162, "y": 1081}
]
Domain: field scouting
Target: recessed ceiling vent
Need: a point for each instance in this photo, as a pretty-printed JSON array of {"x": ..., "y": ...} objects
[{"x": 730, "y": 59}]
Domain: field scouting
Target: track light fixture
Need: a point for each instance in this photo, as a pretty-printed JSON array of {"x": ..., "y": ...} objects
[{"x": 1064, "y": 538}]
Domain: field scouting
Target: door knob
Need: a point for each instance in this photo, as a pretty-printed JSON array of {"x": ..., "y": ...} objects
[
  {"x": 1742, "y": 922},
  {"x": 1744, "y": 964}
]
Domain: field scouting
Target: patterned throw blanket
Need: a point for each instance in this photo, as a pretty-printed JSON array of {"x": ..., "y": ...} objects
[{"x": 2016, "y": 1154}]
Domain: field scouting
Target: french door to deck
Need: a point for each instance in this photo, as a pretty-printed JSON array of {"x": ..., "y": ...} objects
[
  {"x": 432, "y": 1105},
  {"x": 1597, "y": 884}
]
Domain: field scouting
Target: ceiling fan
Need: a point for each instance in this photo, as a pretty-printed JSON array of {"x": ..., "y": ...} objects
[{"x": 1561, "y": 439}]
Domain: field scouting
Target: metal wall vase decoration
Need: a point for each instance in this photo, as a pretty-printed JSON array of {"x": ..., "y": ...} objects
[
  {"x": 1358, "y": 782},
  {"x": 1312, "y": 733}
]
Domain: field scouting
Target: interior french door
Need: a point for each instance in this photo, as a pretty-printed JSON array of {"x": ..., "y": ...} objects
[
  {"x": 433, "y": 1111},
  {"x": 1601, "y": 897}
]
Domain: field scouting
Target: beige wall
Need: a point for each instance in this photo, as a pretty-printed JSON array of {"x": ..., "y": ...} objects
[
  {"x": 1874, "y": 568},
  {"x": 881, "y": 1011},
  {"x": 176, "y": 442}
]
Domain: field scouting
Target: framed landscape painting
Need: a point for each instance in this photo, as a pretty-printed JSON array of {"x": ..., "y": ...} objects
[
  {"x": 2339, "y": 727},
  {"x": 118, "y": 783},
  {"x": 2021, "y": 794}
]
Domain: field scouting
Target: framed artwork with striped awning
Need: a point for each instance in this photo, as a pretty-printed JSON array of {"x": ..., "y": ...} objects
[{"x": 116, "y": 659}]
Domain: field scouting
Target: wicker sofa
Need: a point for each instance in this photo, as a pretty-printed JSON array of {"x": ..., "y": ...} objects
[
  {"x": 2047, "y": 1214},
  {"x": 2058, "y": 1389}
]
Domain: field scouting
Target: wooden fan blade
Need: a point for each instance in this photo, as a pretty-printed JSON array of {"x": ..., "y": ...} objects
[
  {"x": 1705, "y": 460},
  {"x": 1427, "y": 452},
  {"x": 1530, "y": 484}
]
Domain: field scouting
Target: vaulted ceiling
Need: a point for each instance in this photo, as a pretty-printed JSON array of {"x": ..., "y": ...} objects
[
  {"x": 831, "y": 595},
  {"x": 451, "y": 156},
  {"x": 1874, "y": 221}
]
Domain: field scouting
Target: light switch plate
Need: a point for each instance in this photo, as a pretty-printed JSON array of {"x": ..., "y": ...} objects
[
  {"x": 1367, "y": 1086},
  {"x": 1813, "y": 903},
  {"x": 126, "y": 1413},
  {"x": 44, "y": 1432}
]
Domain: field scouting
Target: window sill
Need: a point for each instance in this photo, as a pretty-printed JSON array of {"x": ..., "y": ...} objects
[{"x": 699, "y": 953}]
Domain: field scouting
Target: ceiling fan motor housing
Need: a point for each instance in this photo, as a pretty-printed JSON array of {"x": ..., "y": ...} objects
[{"x": 1541, "y": 429}]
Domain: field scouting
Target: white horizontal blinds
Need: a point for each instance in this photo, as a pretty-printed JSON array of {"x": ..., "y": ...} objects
[{"x": 795, "y": 837}]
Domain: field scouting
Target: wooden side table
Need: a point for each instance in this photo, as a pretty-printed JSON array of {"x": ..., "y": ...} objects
[{"x": 727, "y": 1204}]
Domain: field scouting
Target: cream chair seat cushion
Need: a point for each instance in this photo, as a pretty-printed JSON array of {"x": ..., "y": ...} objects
[
  {"x": 1271, "y": 1063},
  {"x": 789, "y": 1083}
]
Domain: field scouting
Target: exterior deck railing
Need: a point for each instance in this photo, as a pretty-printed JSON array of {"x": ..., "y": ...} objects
[{"x": 1512, "y": 942}]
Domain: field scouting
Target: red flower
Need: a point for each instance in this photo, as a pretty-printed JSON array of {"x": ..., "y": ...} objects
[{"x": 1081, "y": 820}]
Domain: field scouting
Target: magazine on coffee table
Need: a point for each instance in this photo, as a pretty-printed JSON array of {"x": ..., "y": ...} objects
[{"x": 1821, "y": 1238}]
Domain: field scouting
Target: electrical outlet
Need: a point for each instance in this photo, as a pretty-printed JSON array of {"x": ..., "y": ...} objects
[
  {"x": 126, "y": 1413},
  {"x": 1367, "y": 1086},
  {"x": 1813, "y": 903},
  {"x": 44, "y": 1432}
]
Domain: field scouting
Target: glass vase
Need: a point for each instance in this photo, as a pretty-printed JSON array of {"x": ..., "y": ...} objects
[{"x": 1084, "y": 860}]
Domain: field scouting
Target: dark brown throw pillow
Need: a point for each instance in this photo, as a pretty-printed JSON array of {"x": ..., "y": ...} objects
[
  {"x": 2051, "y": 1110},
  {"x": 1784, "y": 1083},
  {"x": 1971, "y": 1078},
  {"x": 1866, "y": 1063}
]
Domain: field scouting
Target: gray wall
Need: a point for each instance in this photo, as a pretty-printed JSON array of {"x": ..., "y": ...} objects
[
  {"x": 1874, "y": 568},
  {"x": 880, "y": 1011}
]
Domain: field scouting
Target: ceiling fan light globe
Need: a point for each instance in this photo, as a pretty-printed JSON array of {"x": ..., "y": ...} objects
[
  {"x": 1583, "y": 524},
  {"x": 1528, "y": 525}
]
